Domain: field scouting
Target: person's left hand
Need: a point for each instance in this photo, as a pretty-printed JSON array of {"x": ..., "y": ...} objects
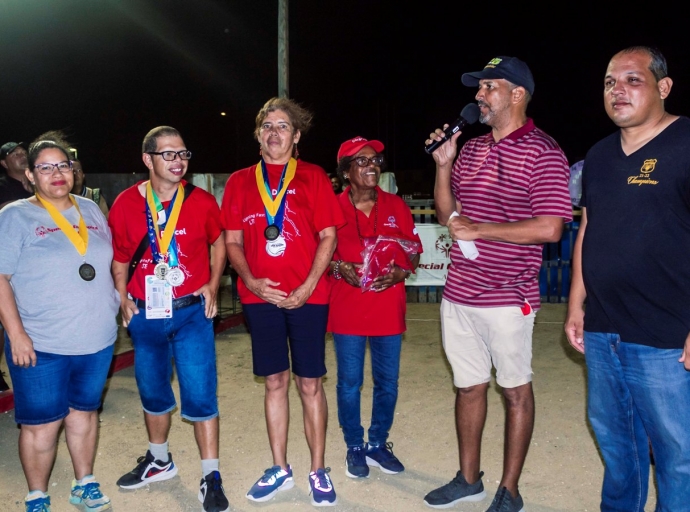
[
  {"x": 462, "y": 228},
  {"x": 209, "y": 293},
  {"x": 394, "y": 276},
  {"x": 685, "y": 356},
  {"x": 297, "y": 297}
]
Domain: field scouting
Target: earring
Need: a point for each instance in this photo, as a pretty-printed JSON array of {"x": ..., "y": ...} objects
[
  {"x": 295, "y": 151},
  {"x": 346, "y": 176},
  {"x": 260, "y": 151}
]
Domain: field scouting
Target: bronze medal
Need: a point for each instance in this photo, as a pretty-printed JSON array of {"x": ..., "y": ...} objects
[
  {"x": 272, "y": 232},
  {"x": 87, "y": 272}
]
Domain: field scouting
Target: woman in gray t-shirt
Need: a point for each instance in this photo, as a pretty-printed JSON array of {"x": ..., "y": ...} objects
[{"x": 58, "y": 306}]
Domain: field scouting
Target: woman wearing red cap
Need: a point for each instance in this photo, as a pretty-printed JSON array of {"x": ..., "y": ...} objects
[{"x": 379, "y": 314}]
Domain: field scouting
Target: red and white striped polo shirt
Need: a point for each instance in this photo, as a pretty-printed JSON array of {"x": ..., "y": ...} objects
[{"x": 522, "y": 176}]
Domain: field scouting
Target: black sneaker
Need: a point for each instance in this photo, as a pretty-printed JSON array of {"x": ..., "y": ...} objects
[
  {"x": 504, "y": 502},
  {"x": 148, "y": 470},
  {"x": 455, "y": 491},
  {"x": 355, "y": 463},
  {"x": 212, "y": 494},
  {"x": 382, "y": 456}
]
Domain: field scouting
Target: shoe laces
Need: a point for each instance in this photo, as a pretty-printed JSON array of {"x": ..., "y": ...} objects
[
  {"x": 91, "y": 491},
  {"x": 272, "y": 472},
  {"x": 214, "y": 483},
  {"x": 386, "y": 450},
  {"x": 356, "y": 456},
  {"x": 322, "y": 482},
  {"x": 502, "y": 499},
  {"x": 39, "y": 504}
]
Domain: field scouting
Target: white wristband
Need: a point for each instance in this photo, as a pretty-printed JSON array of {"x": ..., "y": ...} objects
[{"x": 468, "y": 248}]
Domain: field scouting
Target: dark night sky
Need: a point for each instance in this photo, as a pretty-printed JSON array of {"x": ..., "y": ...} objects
[{"x": 107, "y": 71}]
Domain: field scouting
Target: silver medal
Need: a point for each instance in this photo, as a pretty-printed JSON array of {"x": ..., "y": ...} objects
[
  {"x": 161, "y": 270},
  {"x": 175, "y": 276}
]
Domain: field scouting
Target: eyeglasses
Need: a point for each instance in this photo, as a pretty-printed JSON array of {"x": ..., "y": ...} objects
[
  {"x": 170, "y": 156},
  {"x": 45, "y": 169},
  {"x": 280, "y": 127},
  {"x": 363, "y": 161}
]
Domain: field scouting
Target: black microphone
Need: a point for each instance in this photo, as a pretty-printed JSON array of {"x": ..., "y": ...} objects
[{"x": 469, "y": 115}]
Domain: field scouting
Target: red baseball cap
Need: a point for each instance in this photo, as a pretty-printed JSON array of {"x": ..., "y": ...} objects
[{"x": 351, "y": 146}]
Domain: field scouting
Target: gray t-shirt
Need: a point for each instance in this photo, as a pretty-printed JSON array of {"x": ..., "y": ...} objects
[{"x": 61, "y": 313}]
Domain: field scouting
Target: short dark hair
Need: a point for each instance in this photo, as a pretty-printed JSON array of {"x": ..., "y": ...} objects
[
  {"x": 299, "y": 116},
  {"x": 657, "y": 66},
  {"x": 48, "y": 140},
  {"x": 150, "y": 143}
]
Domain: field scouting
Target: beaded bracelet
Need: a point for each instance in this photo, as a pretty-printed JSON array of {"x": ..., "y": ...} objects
[{"x": 336, "y": 270}]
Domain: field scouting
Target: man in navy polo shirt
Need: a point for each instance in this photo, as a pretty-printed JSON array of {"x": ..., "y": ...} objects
[{"x": 507, "y": 192}]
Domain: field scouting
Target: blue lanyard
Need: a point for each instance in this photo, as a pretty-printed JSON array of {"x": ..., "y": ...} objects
[{"x": 172, "y": 250}]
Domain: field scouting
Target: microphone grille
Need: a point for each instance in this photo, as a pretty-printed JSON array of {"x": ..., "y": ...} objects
[{"x": 470, "y": 113}]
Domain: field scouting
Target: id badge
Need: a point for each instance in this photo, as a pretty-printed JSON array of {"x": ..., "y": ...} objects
[{"x": 158, "y": 298}]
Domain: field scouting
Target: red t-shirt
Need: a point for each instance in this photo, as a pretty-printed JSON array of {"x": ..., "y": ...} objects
[
  {"x": 197, "y": 227},
  {"x": 369, "y": 313},
  {"x": 310, "y": 207}
]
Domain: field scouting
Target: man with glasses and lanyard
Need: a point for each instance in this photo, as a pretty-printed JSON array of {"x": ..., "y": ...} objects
[{"x": 162, "y": 229}]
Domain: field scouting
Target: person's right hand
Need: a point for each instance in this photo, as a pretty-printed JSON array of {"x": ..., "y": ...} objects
[
  {"x": 349, "y": 272},
  {"x": 264, "y": 289},
  {"x": 127, "y": 310},
  {"x": 445, "y": 153},
  {"x": 574, "y": 328},
  {"x": 22, "y": 348}
]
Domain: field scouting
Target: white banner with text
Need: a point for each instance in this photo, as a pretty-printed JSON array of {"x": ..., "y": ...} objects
[{"x": 435, "y": 260}]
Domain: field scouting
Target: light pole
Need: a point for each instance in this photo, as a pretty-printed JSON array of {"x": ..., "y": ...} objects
[{"x": 283, "y": 46}]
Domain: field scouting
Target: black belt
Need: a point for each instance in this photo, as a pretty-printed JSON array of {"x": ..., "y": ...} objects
[{"x": 180, "y": 303}]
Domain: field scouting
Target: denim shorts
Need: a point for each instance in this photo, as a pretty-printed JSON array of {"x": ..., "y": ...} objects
[
  {"x": 46, "y": 392},
  {"x": 272, "y": 328},
  {"x": 187, "y": 338}
]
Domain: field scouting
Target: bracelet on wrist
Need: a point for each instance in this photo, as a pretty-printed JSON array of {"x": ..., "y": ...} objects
[{"x": 336, "y": 270}]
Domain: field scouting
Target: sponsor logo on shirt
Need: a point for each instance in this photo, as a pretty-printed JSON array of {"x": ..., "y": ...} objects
[
  {"x": 42, "y": 231},
  {"x": 290, "y": 191},
  {"x": 391, "y": 222},
  {"x": 182, "y": 231},
  {"x": 643, "y": 179}
]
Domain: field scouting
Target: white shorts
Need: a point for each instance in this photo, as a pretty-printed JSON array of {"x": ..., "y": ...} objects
[{"x": 474, "y": 338}]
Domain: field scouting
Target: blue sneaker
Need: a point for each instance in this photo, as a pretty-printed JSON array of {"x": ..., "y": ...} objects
[
  {"x": 355, "y": 463},
  {"x": 273, "y": 480},
  {"x": 40, "y": 504},
  {"x": 382, "y": 456},
  {"x": 89, "y": 494},
  {"x": 322, "y": 491}
]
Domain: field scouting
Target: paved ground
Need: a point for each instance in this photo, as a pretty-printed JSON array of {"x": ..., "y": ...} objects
[{"x": 563, "y": 470}]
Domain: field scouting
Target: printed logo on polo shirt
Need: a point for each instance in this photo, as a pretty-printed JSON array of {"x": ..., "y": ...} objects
[
  {"x": 643, "y": 178},
  {"x": 290, "y": 191},
  {"x": 391, "y": 222}
]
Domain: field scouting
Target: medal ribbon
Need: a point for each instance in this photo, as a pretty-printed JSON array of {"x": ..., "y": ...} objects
[
  {"x": 160, "y": 245},
  {"x": 274, "y": 206},
  {"x": 80, "y": 239}
]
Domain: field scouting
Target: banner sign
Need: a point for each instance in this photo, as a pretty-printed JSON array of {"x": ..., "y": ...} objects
[{"x": 435, "y": 260}]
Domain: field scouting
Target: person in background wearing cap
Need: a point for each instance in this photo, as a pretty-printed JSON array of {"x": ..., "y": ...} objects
[
  {"x": 379, "y": 315},
  {"x": 630, "y": 264},
  {"x": 13, "y": 182},
  {"x": 80, "y": 187},
  {"x": 281, "y": 219},
  {"x": 508, "y": 192},
  {"x": 13, "y": 185}
]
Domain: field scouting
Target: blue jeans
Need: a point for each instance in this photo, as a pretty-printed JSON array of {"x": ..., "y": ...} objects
[
  {"x": 46, "y": 392},
  {"x": 385, "y": 366},
  {"x": 638, "y": 394},
  {"x": 187, "y": 338}
]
